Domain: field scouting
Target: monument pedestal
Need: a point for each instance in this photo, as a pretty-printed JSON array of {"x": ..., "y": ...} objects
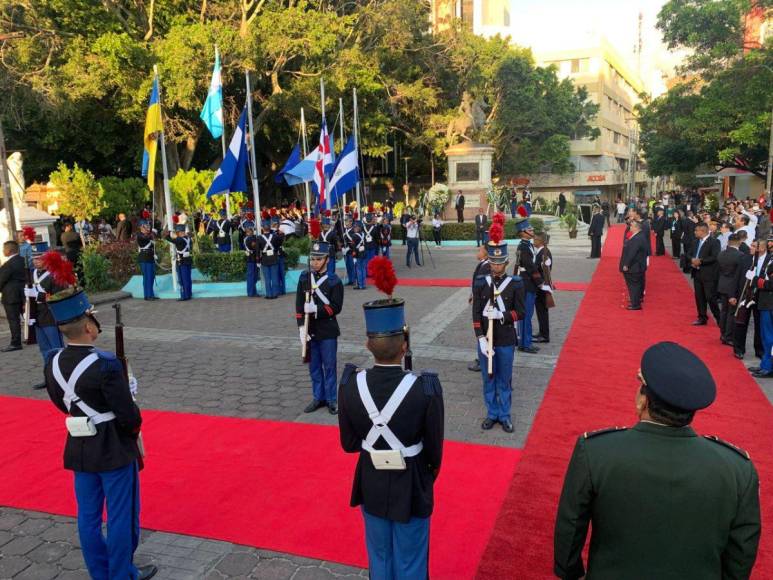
[{"x": 469, "y": 170}]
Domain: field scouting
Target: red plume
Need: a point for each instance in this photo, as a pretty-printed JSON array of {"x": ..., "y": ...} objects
[
  {"x": 250, "y": 216},
  {"x": 499, "y": 218},
  {"x": 29, "y": 233},
  {"x": 272, "y": 212},
  {"x": 250, "y": 204},
  {"x": 59, "y": 267},
  {"x": 328, "y": 213},
  {"x": 382, "y": 271},
  {"x": 315, "y": 230},
  {"x": 371, "y": 209},
  {"x": 264, "y": 214},
  {"x": 355, "y": 215},
  {"x": 145, "y": 214},
  {"x": 522, "y": 211},
  {"x": 175, "y": 219},
  {"x": 496, "y": 233}
]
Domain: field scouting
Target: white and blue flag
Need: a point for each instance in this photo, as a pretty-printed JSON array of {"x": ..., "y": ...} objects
[
  {"x": 231, "y": 176},
  {"x": 212, "y": 113},
  {"x": 346, "y": 173}
]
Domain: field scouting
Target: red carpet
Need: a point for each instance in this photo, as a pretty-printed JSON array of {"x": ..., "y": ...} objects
[
  {"x": 273, "y": 485},
  {"x": 593, "y": 387},
  {"x": 462, "y": 282}
]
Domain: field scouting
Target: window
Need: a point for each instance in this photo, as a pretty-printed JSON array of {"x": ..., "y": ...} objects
[
  {"x": 575, "y": 65},
  {"x": 616, "y": 138},
  {"x": 496, "y": 13}
]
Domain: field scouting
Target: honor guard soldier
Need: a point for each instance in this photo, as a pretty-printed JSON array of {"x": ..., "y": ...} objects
[
  {"x": 346, "y": 247},
  {"x": 103, "y": 425},
  {"x": 319, "y": 298},
  {"x": 221, "y": 231},
  {"x": 385, "y": 236},
  {"x": 280, "y": 252},
  {"x": 662, "y": 501},
  {"x": 268, "y": 246},
  {"x": 357, "y": 251},
  {"x": 146, "y": 256},
  {"x": 370, "y": 230},
  {"x": 181, "y": 240},
  {"x": 250, "y": 245},
  {"x": 329, "y": 236},
  {"x": 47, "y": 332},
  {"x": 482, "y": 268},
  {"x": 526, "y": 267},
  {"x": 497, "y": 304},
  {"x": 394, "y": 420}
]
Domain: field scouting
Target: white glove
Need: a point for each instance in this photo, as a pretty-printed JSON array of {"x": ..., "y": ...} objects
[
  {"x": 309, "y": 307},
  {"x": 302, "y": 334},
  {"x": 30, "y": 293},
  {"x": 648, "y": 261},
  {"x": 133, "y": 386},
  {"x": 548, "y": 262},
  {"x": 546, "y": 288},
  {"x": 750, "y": 275},
  {"x": 493, "y": 314},
  {"x": 483, "y": 343}
]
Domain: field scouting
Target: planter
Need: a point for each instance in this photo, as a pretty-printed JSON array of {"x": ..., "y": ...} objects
[{"x": 572, "y": 234}]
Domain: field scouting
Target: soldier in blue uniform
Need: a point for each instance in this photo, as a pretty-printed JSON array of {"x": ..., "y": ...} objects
[
  {"x": 345, "y": 245},
  {"x": 357, "y": 252},
  {"x": 526, "y": 267},
  {"x": 385, "y": 236},
  {"x": 250, "y": 245},
  {"x": 102, "y": 448},
  {"x": 280, "y": 254},
  {"x": 47, "y": 333},
  {"x": 146, "y": 256},
  {"x": 268, "y": 246},
  {"x": 330, "y": 237},
  {"x": 370, "y": 230},
  {"x": 498, "y": 300},
  {"x": 221, "y": 231},
  {"x": 181, "y": 240},
  {"x": 320, "y": 297},
  {"x": 394, "y": 420}
]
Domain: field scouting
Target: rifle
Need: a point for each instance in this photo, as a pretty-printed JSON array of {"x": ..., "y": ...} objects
[
  {"x": 408, "y": 352},
  {"x": 490, "y": 336},
  {"x": 305, "y": 350},
  {"x": 547, "y": 276},
  {"x": 120, "y": 351},
  {"x": 29, "y": 316}
]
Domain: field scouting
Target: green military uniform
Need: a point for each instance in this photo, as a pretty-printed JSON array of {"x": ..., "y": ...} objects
[{"x": 663, "y": 502}]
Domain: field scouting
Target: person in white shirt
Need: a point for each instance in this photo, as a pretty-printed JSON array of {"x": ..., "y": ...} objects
[
  {"x": 747, "y": 221},
  {"x": 412, "y": 235},
  {"x": 437, "y": 223},
  {"x": 620, "y": 207}
]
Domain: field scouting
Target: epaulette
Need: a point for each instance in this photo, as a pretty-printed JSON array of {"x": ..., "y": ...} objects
[
  {"x": 304, "y": 276},
  {"x": 589, "y": 434},
  {"x": 480, "y": 282},
  {"x": 105, "y": 354},
  {"x": 517, "y": 280},
  {"x": 431, "y": 383},
  {"x": 333, "y": 278},
  {"x": 743, "y": 453},
  {"x": 349, "y": 370}
]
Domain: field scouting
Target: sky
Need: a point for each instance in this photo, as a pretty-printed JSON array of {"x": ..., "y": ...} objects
[{"x": 572, "y": 23}]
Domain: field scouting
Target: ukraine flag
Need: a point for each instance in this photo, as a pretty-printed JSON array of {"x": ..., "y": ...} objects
[{"x": 153, "y": 125}]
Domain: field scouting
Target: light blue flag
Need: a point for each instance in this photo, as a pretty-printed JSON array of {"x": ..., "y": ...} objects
[
  {"x": 212, "y": 113},
  {"x": 232, "y": 174},
  {"x": 346, "y": 173}
]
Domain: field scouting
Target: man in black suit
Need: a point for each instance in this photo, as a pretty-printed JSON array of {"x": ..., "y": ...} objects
[
  {"x": 659, "y": 227},
  {"x": 481, "y": 221},
  {"x": 123, "y": 231},
  {"x": 595, "y": 231},
  {"x": 12, "y": 279},
  {"x": 459, "y": 206},
  {"x": 705, "y": 273},
  {"x": 731, "y": 264},
  {"x": 633, "y": 264}
]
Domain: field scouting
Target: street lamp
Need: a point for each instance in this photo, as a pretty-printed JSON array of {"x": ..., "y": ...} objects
[{"x": 405, "y": 187}]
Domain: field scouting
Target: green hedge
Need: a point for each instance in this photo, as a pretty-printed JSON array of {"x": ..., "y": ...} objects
[
  {"x": 221, "y": 266},
  {"x": 466, "y": 230}
]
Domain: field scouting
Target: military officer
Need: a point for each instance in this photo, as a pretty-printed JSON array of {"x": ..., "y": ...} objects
[
  {"x": 146, "y": 256},
  {"x": 370, "y": 231},
  {"x": 250, "y": 245},
  {"x": 385, "y": 236},
  {"x": 319, "y": 298},
  {"x": 357, "y": 251},
  {"x": 346, "y": 246},
  {"x": 268, "y": 246},
  {"x": 482, "y": 268},
  {"x": 221, "y": 231},
  {"x": 394, "y": 420},
  {"x": 526, "y": 267},
  {"x": 102, "y": 446},
  {"x": 48, "y": 336},
  {"x": 330, "y": 237},
  {"x": 662, "y": 501},
  {"x": 181, "y": 240},
  {"x": 498, "y": 300}
]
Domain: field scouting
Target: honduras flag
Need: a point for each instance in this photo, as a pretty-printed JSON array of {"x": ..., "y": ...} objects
[
  {"x": 292, "y": 161},
  {"x": 346, "y": 173},
  {"x": 212, "y": 113},
  {"x": 232, "y": 174}
]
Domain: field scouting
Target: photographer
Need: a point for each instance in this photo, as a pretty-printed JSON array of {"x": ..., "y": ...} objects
[
  {"x": 437, "y": 224},
  {"x": 412, "y": 236}
]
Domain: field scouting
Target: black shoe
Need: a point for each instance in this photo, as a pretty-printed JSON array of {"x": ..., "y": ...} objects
[
  {"x": 726, "y": 342},
  {"x": 487, "y": 424},
  {"x": 700, "y": 322},
  {"x": 529, "y": 349},
  {"x": 313, "y": 406},
  {"x": 633, "y": 307},
  {"x": 146, "y": 572},
  {"x": 738, "y": 355},
  {"x": 10, "y": 348},
  {"x": 753, "y": 369},
  {"x": 39, "y": 386},
  {"x": 332, "y": 408},
  {"x": 154, "y": 298},
  {"x": 507, "y": 426},
  {"x": 181, "y": 299},
  {"x": 474, "y": 366},
  {"x": 763, "y": 374},
  {"x": 540, "y": 339}
]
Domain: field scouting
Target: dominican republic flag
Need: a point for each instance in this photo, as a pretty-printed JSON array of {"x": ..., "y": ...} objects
[
  {"x": 231, "y": 176},
  {"x": 346, "y": 174},
  {"x": 324, "y": 164}
]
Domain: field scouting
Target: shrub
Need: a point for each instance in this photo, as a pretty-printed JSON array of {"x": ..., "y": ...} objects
[
  {"x": 206, "y": 244},
  {"x": 122, "y": 195},
  {"x": 292, "y": 256},
  {"x": 123, "y": 260},
  {"x": 221, "y": 267},
  {"x": 538, "y": 224},
  {"x": 96, "y": 270}
]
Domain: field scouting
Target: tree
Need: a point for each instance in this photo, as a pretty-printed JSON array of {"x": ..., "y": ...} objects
[
  {"x": 80, "y": 195},
  {"x": 122, "y": 195},
  {"x": 189, "y": 192}
]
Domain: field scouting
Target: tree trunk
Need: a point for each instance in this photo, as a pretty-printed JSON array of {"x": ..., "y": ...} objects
[{"x": 189, "y": 148}]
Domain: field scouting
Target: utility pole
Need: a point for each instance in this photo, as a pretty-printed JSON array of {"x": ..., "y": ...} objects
[{"x": 4, "y": 181}]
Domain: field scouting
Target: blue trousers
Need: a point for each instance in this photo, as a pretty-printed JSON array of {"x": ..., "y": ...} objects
[
  {"x": 513, "y": 208},
  {"x": 498, "y": 390},
  {"x": 524, "y": 326},
  {"x": 331, "y": 265},
  {"x": 109, "y": 558},
  {"x": 253, "y": 275},
  {"x": 349, "y": 261},
  {"x": 184, "y": 279},
  {"x": 386, "y": 251},
  {"x": 225, "y": 248},
  {"x": 280, "y": 272},
  {"x": 322, "y": 368},
  {"x": 359, "y": 272},
  {"x": 413, "y": 248},
  {"x": 766, "y": 334},
  {"x": 397, "y": 551},
  {"x": 271, "y": 280},
  {"x": 148, "y": 270},
  {"x": 49, "y": 338}
]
